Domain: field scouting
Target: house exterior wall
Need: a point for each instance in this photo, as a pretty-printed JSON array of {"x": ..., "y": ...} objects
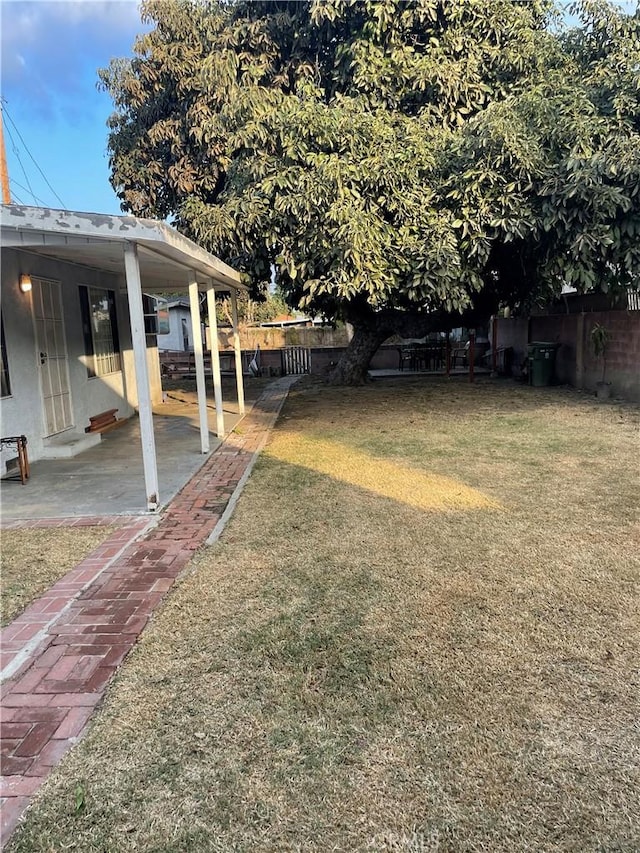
[
  {"x": 174, "y": 339},
  {"x": 22, "y": 412},
  {"x": 128, "y": 365}
]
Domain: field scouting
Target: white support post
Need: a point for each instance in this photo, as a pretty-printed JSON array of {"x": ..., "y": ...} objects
[
  {"x": 139, "y": 341},
  {"x": 196, "y": 329},
  {"x": 215, "y": 359},
  {"x": 238, "y": 352}
]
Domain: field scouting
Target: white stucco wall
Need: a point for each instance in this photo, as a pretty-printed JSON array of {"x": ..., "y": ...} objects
[
  {"x": 128, "y": 367},
  {"x": 174, "y": 339},
  {"x": 21, "y": 413}
]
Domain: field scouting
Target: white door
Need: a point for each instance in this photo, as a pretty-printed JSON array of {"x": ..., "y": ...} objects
[{"x": 52, "y": 355}]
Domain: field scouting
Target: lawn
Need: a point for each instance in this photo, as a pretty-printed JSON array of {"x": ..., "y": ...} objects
[
  {"x": 419, "y": 632},
  {"x": 33, "y": 559}
]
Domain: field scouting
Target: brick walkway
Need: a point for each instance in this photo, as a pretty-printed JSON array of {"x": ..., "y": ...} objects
[{"x": 61, "y": 653}]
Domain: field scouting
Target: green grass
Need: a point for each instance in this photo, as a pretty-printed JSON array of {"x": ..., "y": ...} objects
[{"x": 418, "y": 632}]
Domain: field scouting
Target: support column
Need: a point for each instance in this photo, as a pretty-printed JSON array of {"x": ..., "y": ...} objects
[
  {"x": 580, "y": 350},
  {"x": 139, "y": 343},
  {"x": 215, "y": 360},
  {"x": 448, "y": 355},
  {"x": 238, "y": 352},
  {"x": 472, "y": 353},
  {"x": 196, "y": 330},
  {"x": 494, "y": 346}
]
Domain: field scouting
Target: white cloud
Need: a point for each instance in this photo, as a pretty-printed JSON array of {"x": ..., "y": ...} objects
[
  {"x": 114, "y": 14},
  {"x": 51, "y": 50}
]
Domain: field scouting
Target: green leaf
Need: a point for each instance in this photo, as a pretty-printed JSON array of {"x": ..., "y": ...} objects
[{"x": 79, "y": 795}]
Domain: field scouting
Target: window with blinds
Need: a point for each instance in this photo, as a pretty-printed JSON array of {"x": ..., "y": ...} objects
[{"x": 100, "y": 327}]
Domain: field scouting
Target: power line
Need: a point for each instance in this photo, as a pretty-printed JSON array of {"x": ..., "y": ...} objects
[
  {"x": 19, "y": 159},
  {"x": 6, "y": 112},
  {"x": 35, "y": 197},
  {"x": 18, "y": 199}
]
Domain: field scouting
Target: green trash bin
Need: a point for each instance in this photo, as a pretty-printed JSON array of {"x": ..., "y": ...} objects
[{"x": 542, "y": 358}]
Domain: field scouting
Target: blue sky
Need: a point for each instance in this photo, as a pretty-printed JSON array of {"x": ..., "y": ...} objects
[{"x": 51, "y": 50}]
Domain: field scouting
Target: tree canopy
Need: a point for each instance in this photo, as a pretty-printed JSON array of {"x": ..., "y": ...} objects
[{"x": 401, "y": 163}]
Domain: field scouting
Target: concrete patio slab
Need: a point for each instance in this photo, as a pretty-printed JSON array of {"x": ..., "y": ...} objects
[{"x": 108, "y": 479}]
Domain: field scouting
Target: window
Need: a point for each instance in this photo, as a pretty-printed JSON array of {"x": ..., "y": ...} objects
[
  {"x": 4, "y": 375},
  {"x": 100, "y": 326},
  {"x": 150, "y": 311}
]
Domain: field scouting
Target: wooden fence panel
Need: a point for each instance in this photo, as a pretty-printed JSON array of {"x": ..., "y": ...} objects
[{"x": 295, "y": 360}]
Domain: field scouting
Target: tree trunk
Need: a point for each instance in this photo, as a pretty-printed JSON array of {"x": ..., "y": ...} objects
[
  {"x": 354, "y": 363},
  {"x": 372, "y": 328}
]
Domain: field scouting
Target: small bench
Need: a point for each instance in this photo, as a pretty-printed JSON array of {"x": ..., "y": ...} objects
[
  {"x": 178, "y": 366},
  {"x": 183, "y": 364},
  {"x": 102, "y": 421},
  {"x": 20, "y": 443}
]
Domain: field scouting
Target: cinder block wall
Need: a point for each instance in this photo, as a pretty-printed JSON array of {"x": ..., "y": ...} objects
[
  {"x": 514, "y": 332},
  {"x": 575, "y": 362},
  {"x": 322, "y": 358},
  {"x": 560, "y": 329},
  {"x": 623, "y": 353}
]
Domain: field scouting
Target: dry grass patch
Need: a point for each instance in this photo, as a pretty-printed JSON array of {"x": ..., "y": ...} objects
[
  {"x": 349, "y": 671},
  {"x": 32, "y": 560}
]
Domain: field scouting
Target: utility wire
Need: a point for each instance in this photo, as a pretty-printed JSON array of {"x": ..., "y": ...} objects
[
  {"x": 17, "y": 198},
  {"x": 35, "y": 197},
  {"x": 19, "y": 159},
  {"x": 6, "y": 112}
]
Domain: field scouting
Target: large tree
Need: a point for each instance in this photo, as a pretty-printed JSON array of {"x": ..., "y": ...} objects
[
  {"x": 547, "y": 180},
  {"x": 404, "y": 165}
]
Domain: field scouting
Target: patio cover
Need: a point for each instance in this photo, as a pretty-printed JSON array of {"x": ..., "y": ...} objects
[{"x": 155, "y": 258}]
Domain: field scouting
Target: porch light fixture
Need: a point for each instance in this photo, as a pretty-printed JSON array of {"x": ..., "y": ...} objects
[{"x": 25, "y": 283}]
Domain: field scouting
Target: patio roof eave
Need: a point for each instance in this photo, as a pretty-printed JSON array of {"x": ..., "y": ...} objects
[
  {"x": 98, "y": 241},
  {"x": 147, "y": 255}
]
